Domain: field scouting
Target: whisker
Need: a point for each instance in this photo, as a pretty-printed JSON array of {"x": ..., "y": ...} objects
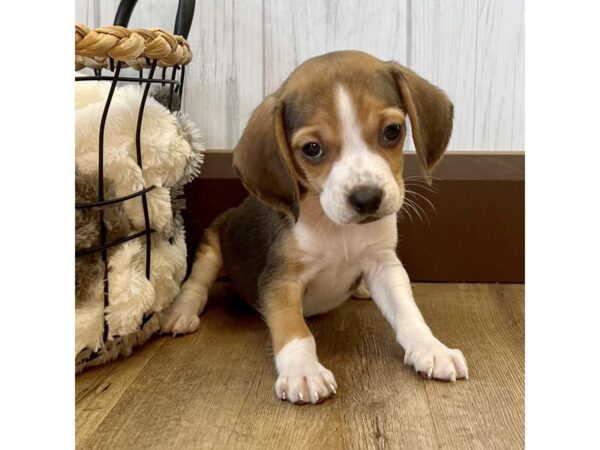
[
  {"x": 406, "y": 211},
  {"x": 412, "y": 206},
  {"x": 424, "y": 198},
  {"x": 419, "y": 181},
  {"x": 422, "y": 186},
  {"x": 424, "y": 212},
  {"x": 421, "y": 177},
  {"x": 418, "y": 207},
  {"x": 416, "y": 178}
]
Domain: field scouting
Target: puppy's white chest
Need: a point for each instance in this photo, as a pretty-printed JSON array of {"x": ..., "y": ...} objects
[
  {"x": 330, "y": 286},
  {"x": 334, "y": 258}
]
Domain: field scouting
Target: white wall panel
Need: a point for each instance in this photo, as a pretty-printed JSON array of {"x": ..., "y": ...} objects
[
  {"x": 224, "y": 82},
  {"x": 499, "y": 77},
  {"x": 296, "y": 30},
  {"x": 442, "y": 49},
  {"x": 243, "y": 50}
]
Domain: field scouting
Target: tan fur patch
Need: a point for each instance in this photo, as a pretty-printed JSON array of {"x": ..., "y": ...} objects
[
  {"x": 323, "y": 129},
  {"x": 208, "y": 263},
  {"x": 281, "y": 299}
]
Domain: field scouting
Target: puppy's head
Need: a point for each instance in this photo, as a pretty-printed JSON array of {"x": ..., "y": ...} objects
[{"x": 336, "y": 129}]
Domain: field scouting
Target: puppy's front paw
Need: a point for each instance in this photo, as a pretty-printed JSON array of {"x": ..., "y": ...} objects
[
  {"x": 434, "y": 360},
  {"x": 309, "y": 382},
  {"x": 177, "y": 321}
]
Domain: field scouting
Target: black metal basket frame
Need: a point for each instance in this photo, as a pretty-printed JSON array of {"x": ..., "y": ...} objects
[{"x": 183, "y": 22}]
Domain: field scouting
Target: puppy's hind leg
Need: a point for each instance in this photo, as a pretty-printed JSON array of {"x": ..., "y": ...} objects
[
  {"x": 182, "y": 316},
  {"x": 361, "y": 291}
]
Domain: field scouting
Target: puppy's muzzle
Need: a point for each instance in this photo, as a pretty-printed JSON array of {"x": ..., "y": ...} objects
[{"x": 365, "y": 200}]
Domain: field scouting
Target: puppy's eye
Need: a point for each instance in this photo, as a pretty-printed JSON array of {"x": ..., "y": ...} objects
[
  {"x": 312, "y": 150},
  {"x": 391, "y": 132}
]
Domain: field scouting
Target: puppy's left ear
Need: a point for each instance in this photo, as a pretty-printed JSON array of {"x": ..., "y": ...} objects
[{"x": 431, "y": 115}]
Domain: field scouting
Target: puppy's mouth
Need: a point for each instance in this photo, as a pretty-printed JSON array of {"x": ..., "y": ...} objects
[
  {"x": 377, "y": 216},
  {"x": 368, "y": 219}
]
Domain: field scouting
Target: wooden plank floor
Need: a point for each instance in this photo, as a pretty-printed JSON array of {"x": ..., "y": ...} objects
[{"x": 214, "y": 388}]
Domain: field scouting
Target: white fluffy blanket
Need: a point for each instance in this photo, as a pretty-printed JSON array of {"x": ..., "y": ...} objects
[{"x": 172, "y": 155}]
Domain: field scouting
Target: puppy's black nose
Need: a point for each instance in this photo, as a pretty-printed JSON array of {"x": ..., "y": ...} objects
[{"x": 365, "y": 199}]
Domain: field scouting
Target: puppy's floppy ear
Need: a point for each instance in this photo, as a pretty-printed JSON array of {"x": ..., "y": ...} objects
[
  {"x": 263, "y": 161},
  {"x": 431, "y": 114}
]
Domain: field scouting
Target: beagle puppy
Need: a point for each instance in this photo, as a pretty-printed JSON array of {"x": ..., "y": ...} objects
[{"x": 322, "y": 159}]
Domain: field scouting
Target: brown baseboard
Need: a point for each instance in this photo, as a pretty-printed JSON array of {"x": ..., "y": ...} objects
[{"x": 475, "y": 231}]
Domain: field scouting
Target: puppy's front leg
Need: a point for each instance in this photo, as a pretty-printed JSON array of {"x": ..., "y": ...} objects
[
  {"x": 301, "y": 378},
  {"x": 390, "y": 288}
]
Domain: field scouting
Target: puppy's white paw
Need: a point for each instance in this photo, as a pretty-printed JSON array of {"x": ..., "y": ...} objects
[
  {"x": 177, "y": 321},
  {"x": 308, "y": 382},
  {"x": 433, "y": 359}
]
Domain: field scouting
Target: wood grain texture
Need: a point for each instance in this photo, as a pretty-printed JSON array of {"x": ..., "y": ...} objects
[
  {"x": 214, "y": 388},
  {"x": 473, "y": 49},
  {"x": 98, "y": 391}
]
